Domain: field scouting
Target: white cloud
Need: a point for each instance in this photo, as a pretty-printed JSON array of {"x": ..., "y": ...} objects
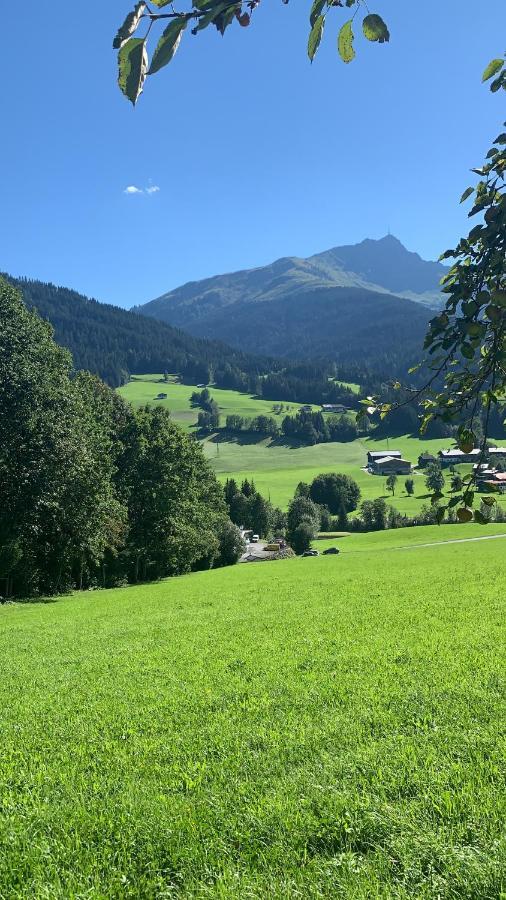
[{"x": 133, "y": 189}]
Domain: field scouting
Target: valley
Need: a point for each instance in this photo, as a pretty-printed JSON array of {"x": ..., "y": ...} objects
[{"x": 276, "y": 465}]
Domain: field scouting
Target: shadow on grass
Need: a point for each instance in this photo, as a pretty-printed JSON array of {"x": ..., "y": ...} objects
[
  {"x": 247, "y": 438},
  {"x": 25, "y": 601}
]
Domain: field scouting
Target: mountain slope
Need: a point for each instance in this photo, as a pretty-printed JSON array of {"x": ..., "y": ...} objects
[
  {"x": 340, "y": 304},
  {"x": 383, "y": 266},
  {"x": 350, "y": 325},
  {"x": 112, "y": 342}
]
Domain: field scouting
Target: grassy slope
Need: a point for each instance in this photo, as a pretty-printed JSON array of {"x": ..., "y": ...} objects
[
  {"x": 276, "y": 467},
  {"x": 144, "y": 388},
  {"x": 314, "y": 728}
]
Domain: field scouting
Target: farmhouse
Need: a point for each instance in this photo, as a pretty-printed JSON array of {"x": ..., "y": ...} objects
[
  {"x": 496, "y": 481},
  {"x": 390, "y": 465},
  {"x": 380, "y": 454},
  {"x": 496, "y": 453},
  {"x": 333, "y": 408},
  {"x": 456, "y": 457},
  {"x": 425, "y": 459}
]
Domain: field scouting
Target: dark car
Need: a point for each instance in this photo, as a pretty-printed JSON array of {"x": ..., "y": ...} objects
[
  {"x": 331, "y": 551},
  {"x": 310, "y": 553}
]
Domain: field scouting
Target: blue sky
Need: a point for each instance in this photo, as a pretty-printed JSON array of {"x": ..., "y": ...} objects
[{"x": 256, "y": 153}]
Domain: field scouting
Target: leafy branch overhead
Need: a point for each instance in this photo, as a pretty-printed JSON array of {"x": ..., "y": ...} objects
[{"x": 132, "y": 38}]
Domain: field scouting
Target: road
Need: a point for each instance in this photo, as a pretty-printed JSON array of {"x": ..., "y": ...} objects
[
  {"x": 256, "y": 550},
  {"x": 486, "y": 537}
]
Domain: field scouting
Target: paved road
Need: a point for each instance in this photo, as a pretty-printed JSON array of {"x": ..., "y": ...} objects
[
  {"x": 486, "y": 537},
  {"x": 256, "y": 549}
]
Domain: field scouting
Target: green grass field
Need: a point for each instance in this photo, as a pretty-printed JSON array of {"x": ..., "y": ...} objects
[
  {"x": 277, "y": 467},
  {"x": 143, "y": 389},
  {"x": 312, "y": 728}
]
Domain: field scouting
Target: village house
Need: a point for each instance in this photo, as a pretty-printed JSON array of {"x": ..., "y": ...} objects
[
  {"x": 333, "y": 408},
  {"x": 390, "y": 465},
  {"x": 425, "y": 459},
  {"x": 455, "y": 457},
  {"x": 494, "y": 481},
  {"x": 380, "y": 454},
  {"x": 497, "y": 453}
]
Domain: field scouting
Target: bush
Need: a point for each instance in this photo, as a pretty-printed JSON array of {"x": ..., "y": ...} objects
[{"x": 301, "y": 537}]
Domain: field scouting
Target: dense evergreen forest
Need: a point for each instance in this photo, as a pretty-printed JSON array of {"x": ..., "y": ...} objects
[
  {"x": 93, "y": 492},
  {"x": 114, "y": 343}
]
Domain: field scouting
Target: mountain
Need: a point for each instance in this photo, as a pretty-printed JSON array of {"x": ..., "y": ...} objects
[
  {"x": 371, "y": 298},
  {"x": 114, "y": 343}
]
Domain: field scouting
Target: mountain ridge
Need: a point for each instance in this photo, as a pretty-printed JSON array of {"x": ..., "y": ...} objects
[
  {"x": 382, "y": 266},
  {"x": 295, "y": 307}
]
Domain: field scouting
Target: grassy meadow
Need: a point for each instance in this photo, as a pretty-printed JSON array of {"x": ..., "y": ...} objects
[
  {"x": 312, "y": 728},
  {"x": 275, "y": 465},
  {"x": 143, "y": 389}
]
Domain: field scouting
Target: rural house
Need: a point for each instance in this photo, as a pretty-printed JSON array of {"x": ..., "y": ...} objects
[
  {"x": 456, "y": 457},
  {"x": 425, "y": 459},
  {"x": 380, "y": 454},
  {"x": 333, "y": 408},
  {"x": 497, "y": 453},
  {"x": 390, "y": 465}
]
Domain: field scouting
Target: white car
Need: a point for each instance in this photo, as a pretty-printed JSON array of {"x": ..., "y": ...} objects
[{"x": 255, "y": 538}]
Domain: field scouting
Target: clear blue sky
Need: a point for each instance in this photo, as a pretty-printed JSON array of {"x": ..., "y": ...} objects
[{"x": 256, "y": 153}]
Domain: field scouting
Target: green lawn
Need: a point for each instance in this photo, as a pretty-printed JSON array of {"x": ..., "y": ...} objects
[
  {"x": 277, "y": 467},
  {"x": 143, "y": 389},
  {"x": 312, "y": 728}
]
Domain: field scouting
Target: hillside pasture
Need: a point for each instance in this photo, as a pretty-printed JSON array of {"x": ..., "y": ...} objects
[
  {"x": 278, "y": 465},
  {"x": 315, "y": 728},
  {"x": 142, "y": 389}
]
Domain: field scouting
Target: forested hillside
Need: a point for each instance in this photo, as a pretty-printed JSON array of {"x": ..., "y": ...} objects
[
  {"x": 113, "y": 343},
  {"x": 383, "y": 334}
]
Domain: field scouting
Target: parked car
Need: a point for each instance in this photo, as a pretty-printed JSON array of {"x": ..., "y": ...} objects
[
  {"x": 310, "y": 553},
  {"x": 330, "y": 551},
  {"x": 255, "y": 538}
]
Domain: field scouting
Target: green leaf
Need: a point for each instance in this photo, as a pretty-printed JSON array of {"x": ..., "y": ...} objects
[
  {"x": 133, "y": 66},
  {"x": 130, "y": 25},
  {"x": 315, "y": 36},
  {"x": 160, "y": 3},
  {"x": 464, "y": 514},
  {"x": 466, "y": 440},
  {"x": 498, "y": 298},
  {"x": 498, "y": 83},
  {"x": 375, "y": 29},
  {"x": 168, "y": 44},
  {"x": 492, "y": 69},
  {"x": 210, "y": 16},
  {"x": 316, "y": 10},
  {"x": 345, "y": 42},
  {"x": 467, "y": 193}
]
